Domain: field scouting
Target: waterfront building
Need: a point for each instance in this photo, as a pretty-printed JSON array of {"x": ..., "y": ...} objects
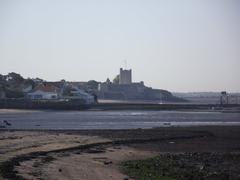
[
  {"x": 80, "y": 94},
  {"x": 43, "y": 91}
]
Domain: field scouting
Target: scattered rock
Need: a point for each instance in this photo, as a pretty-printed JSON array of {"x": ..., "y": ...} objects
[
  {"x": 93, "y": 151},
  {"x": 117, "y": 147},
  {"x": 107, "y": 162},
  {"x": 187, "y": 166},
  {"x": 167, "y": 124},
  {"x": 7, "y": 123}
]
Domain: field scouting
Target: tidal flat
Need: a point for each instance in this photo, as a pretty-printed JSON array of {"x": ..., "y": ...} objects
[{"x": 212, "y": 151}]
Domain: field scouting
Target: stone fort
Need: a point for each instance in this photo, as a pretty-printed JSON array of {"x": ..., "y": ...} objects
[{"x": 125, "y": 89}]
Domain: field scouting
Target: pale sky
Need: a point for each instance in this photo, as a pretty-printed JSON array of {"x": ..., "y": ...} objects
[{"x": 178, "y": 45}]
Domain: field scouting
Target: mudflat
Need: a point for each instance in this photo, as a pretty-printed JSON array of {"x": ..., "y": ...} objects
[
  {"x": 103, "y": 154},
  {"x": 125, "y": 119}
]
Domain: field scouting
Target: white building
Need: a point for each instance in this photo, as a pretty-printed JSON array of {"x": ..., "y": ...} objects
[
  {"x": 43, "y": 92},
  {"x": 80, "y": 94}
]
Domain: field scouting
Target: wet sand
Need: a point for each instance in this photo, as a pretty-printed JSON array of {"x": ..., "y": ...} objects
[{"x": 98, "y": 154}]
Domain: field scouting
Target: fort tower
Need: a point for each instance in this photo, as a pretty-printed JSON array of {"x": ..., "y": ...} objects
[{"x": 125, "y": 76}]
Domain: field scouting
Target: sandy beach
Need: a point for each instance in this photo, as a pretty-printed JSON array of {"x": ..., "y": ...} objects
[{"x": 98, "y": 154}]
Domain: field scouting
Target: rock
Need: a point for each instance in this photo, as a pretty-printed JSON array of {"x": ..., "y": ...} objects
[
  {"x": 107, "y": 162},
  {"x": 7, "y": 123},
  {"x": 95, "y": 151}
]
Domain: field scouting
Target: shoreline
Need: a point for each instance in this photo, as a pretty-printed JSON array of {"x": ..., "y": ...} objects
[
  {"x": 118, "y": 106},
  {"x": 54, "y": 151}
]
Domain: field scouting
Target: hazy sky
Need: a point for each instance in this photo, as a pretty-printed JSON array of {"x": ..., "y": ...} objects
[{"x": 179, "y": 45}]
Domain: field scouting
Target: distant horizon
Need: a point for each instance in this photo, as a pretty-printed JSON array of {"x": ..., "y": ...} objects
[{"x": 180, "y": 46}]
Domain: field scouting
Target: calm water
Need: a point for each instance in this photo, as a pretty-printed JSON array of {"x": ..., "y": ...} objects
[{"x": 113, "y": 119}]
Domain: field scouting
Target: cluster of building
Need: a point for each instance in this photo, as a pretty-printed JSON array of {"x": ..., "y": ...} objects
[
  {"x": 227, "y": 98},
  {"x": 59, "y": 90},
  {"x": 122, "y": 88}
]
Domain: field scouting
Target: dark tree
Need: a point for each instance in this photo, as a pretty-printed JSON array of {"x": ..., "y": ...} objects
[
  {"x": 15, "y": 78},
  {"x": 92, "y": 85}
]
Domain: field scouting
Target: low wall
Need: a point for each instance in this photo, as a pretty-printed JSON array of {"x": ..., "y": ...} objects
[
  {"x": 145, "y": 106},
  {"x": 42, "y": 104}
]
